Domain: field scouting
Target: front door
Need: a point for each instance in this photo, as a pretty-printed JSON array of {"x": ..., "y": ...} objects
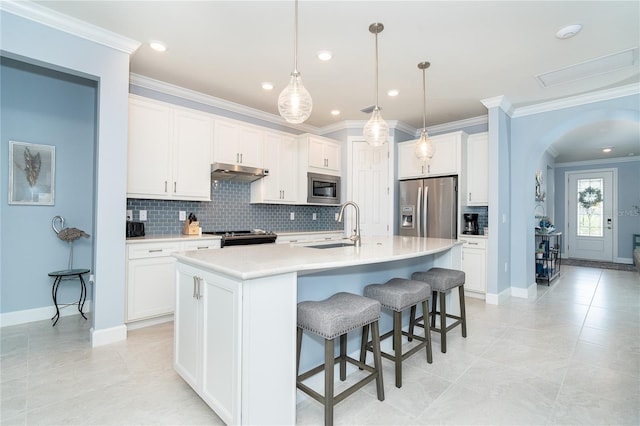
[{"x": 590, "y": 220}]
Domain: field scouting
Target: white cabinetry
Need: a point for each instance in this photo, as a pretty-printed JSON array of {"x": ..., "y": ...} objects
[
  {"x": 477, "y": 170},
  {"x": 150, "y": 272},
  {"x": 169, "y": 151},
  {"x": 446, "y": 159},
  {"x": 474, "y": 264},
  {"x": 319, "y": 155},
  {"x": 281, "y": 158},
  {"x": 207, "y": 339},
  {"x": 237, "y": 143}
]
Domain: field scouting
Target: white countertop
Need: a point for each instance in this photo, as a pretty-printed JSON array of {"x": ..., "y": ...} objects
[{"x": 256, "y": 261}]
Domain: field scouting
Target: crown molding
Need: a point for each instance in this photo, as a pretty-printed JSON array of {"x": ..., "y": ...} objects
[
  {"x": 587, "y": 98},
  {"x": 359, "y": 124},
  {"x": 45, "y": 16},
  {"x": 192, "y": 95},
  {"x": 596, "y": 162},
  {"x": 456, "y": 125},
  {"x": 499, "y": 101}
]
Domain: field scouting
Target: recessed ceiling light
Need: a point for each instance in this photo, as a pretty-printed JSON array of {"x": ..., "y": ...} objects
[
  {"x": 393, "y": 92},
  {"x": 335, "y": 112},
  {"x": 158, "y": 46},
  {"x": 324, "y": 55},
  {"x": 568, "y": 31},
  {"x": 267, "y": 86},
  {"x": 607, "y": 149}
]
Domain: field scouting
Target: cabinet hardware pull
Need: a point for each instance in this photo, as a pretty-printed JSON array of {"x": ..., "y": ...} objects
[
  {"x": 165, "y": 186},
  {"x": 469, "y": 196},
  {"x": 194, "y": 287},
  {"x": 202, "y": 247},
  {"x": 174, "y": 187},
  {"x": 241, "y": 159},
  {"x": 237, "y": 157},
  {"x": 155, "y": 250},
  {"x": 473, "y": 244},
  {"x": 199, "y": 290}
]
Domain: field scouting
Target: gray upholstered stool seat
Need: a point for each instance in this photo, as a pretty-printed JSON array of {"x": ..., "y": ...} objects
[
  {"x": 331, "y": 318},
  {"x": 442, "y": 281},
  {"x": 398, "y": 294}
]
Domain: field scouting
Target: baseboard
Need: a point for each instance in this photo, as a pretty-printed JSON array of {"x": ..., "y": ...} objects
[
  {"x": 149, "y": 322},
  {"x": 525, "y": 293},
  {"x": 474, "y": 294},
  {"x": 8, "y": 319},
  {"x": 106, "y": 336},
  {"x": 498, "y": 299},
  {"x": 626, "y": 260}
]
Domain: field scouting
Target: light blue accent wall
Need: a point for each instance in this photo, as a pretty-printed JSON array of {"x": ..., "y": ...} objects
[
  {"x": 230, "y": 210},
  {"x": 40, "y": 44},
  {"x": 46, "y": 107},
  {"x": 627, "y": 217},
  {"x": 531, "y": 136}
]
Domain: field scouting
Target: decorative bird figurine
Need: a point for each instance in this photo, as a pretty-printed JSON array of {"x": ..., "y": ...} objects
[{"x": 67, "y": 234}]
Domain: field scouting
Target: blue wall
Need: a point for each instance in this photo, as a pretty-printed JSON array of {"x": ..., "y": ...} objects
[
  {"x": 628, "y": 218},
  {"x": 229, "y": 209},
  {"x": 47, "y": 107}
]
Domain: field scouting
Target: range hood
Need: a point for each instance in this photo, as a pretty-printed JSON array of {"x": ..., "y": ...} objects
[{"x": 236, "y": 172}]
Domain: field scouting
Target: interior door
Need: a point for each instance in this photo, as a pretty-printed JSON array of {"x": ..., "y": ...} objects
[
  {"x": 590, "y": 221},
  {"x": 370, "y": 188}
]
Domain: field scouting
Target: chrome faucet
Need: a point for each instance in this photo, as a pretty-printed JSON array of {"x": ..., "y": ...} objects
[{"x": 356, "y": 232}]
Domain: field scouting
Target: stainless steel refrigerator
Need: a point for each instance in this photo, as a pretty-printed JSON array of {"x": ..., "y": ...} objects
[{"x": 429, "y": 207}]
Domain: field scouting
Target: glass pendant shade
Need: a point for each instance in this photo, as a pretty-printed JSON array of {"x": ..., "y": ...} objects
[
  {"x": 294, "y": 102},
  {"x": 376, "y": 131},
  {"x": 424, "y": 147}
]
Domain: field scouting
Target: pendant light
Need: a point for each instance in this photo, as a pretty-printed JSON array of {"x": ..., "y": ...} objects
[
  {"x": 294, "y": 103},
  {"x": 424, "y": 146},
  {"x": 376, "y": 131}
]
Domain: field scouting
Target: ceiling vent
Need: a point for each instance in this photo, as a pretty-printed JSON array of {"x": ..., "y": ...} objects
[{"x": 605, "y": 64}]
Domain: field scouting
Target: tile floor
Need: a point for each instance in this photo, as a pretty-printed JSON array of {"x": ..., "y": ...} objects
[{"x": 569, "y": 356}]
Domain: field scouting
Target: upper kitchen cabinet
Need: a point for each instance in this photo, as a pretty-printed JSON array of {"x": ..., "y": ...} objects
[
  {"x": 319, "y": 155},
  {"x": 169, "y": 151},
  {"x": 446, "y": 159},
  {"x": 281, "y": 159},
  {"x": 237, "y": 143},
  {"x": 476, "y": 161}
]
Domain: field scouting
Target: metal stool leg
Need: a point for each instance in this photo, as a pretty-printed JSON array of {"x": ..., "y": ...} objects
[
  {"x": 363, "y": 345},
  {"x": 298, "y": 350},
  {"x": 328, "y": 381},
  {"x": 427, "y": 330},
  {"x": 343, "y": 357},
  {"x": 463, "y": 312},
  {"x": 377, "y": 359},
  {"x": 397, "y": 346},
  {"x": 83, "y": 296},
  {"x": 443, "y": 322}
]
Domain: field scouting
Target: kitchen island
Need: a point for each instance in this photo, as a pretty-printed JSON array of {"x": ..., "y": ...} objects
[{"x": 235, "y": 320}]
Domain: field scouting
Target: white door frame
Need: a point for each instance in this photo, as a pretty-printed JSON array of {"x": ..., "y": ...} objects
[
  {"x": 614, "y": 207},
  {"x": 390, "y": 177}
]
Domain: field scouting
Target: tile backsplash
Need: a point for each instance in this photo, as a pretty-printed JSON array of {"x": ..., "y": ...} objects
[{"x": 229, "y": 209}]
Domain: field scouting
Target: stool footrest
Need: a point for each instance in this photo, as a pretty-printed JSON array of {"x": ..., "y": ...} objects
[
  {"x": 345, "y": 393},
  {"x": 369, "y": 345}
]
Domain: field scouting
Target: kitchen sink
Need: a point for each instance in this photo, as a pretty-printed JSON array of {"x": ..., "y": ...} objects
[{"x": 331, "y": 245}]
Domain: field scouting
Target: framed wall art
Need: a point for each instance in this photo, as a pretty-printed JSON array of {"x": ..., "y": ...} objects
[{"x": 31, "y": 174}]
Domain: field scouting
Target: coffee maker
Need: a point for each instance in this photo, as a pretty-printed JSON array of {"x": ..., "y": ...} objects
[{"x": 471, "y": 224}]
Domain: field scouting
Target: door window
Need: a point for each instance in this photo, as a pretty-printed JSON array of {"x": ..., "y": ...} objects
[{"x": 590, "y": 207}]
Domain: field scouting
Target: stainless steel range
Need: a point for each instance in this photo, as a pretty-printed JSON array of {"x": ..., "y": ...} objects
[{"x": 238, "y": 238}]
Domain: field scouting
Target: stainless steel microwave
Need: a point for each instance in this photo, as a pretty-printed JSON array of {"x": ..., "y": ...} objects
[{"x": 323, "y": 189}]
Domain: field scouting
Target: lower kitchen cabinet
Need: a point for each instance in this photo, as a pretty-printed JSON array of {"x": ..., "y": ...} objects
[
  {"x": 207, "y": 339},
  {"x": 474, "y": 264},
  {"x": 150, "y": 280},
  {"x": 151, "y": 277}
]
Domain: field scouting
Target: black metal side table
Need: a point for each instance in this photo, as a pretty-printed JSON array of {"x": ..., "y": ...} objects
[{"x": 59, "y": 275}]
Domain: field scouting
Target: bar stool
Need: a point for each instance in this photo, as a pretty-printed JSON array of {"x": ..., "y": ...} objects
[
  {"x": 442, "y": 280},
  {"x": 330, "y": 318},
  {"x": 398, "y": 294}
]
